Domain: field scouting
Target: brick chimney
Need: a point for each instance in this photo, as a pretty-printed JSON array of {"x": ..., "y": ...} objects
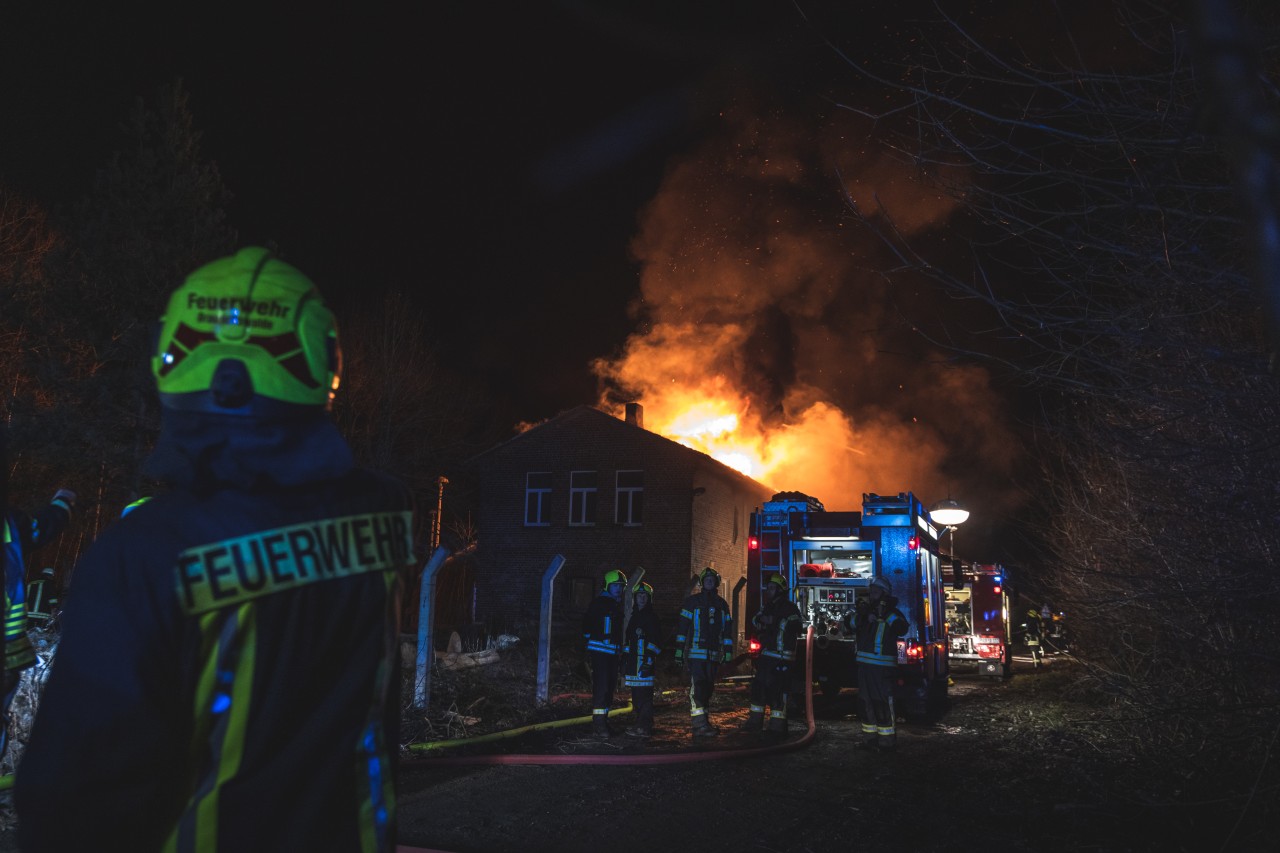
[{"x": 635, "y": 415}]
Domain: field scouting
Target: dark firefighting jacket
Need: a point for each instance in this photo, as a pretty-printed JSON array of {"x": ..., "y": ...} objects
[
  {"x": 642, "y": 647},
  {"x": 705, "y": 628},
  {"x": 23, "y": 534},
  {"x": 877, "y": 629},
  {"x": 778, "y": 624},
  {"x": 227, "y": 675},
  {"x": 602, "y": 625}
]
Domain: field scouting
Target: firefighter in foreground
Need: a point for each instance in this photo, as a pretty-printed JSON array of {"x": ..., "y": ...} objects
[
  {"x": 779, "y": 625},
  {"x": 639, "y": 657},
  {"x": 704, "y": 640},
  {"x": 602, "y": 628},
  {"x": 877, "y": 625},
  {"x": 227, "y": 677},
  {"x": 24, "y": 534}
]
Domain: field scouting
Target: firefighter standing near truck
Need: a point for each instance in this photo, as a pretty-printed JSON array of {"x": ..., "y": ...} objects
[
  {"x": 877, "y": 625},
  {"x": 704, "y": 640},
  {"x": 639, "y": 657},
  {"x": 602, "y": 627},
  {"x": 228, "y": 675},
  {"x": 779, "y": 625}
]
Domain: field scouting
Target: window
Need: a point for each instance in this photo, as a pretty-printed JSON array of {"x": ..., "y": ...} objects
[
  {"x": 582, "y": 498},
  {"x": 580, "y": 592},
  {"x": 630, "y": 501},
  {"x": 537, "y": 494}
]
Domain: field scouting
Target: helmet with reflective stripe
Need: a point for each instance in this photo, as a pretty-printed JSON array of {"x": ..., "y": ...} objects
[
  {"x": 247, "y": 335},
  {"x": 708, "y": 572},
  {"x": 777, "y": 580},
  {"x": 884, "y": 585},
  {"x": 642, "y": 588},
  {"x": 613, "y": 577}
]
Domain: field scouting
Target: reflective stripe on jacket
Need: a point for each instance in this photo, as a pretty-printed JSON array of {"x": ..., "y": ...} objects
[
  {"x": 705, "y": 630},
  {"x": 877, "y": 638},
  {"x": 602, "y": 625},
  {"x": 642, "y": 648},
  {"x": 779, "y": 626}
]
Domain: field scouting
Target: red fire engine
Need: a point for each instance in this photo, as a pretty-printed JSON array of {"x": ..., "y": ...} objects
[
  {"x": 978, "y": 628},
  {"x": 829, "y": 560}
]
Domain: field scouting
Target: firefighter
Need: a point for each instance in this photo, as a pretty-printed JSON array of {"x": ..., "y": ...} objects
[
  {"x": 602, "y": 628},
  {"x": 42, "y": 598},
  {"x": 639, "y": 656},
  {"x": 24, "y": 534},
  {"x": 779, "y": 625},
  {"x": 227, "y": 677},
  {"x": 704, "y": 640},
  {"x": 877, "y": 624},
  {"x": 1033, "y": 634}
]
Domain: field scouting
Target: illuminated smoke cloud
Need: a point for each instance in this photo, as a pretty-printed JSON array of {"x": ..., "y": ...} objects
[{"x": 769, "y": 340}]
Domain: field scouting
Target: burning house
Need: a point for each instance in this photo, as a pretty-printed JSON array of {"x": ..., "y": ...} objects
[{"x": 604, "y": 493}]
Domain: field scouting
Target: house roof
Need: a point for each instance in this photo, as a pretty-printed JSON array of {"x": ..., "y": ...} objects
[{"x": 591, "y": 414}]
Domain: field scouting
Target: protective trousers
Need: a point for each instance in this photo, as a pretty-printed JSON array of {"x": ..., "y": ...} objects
[
  {"x": 769, "y": 687},
  {"x": 875, "y": 689},
  {"x": 702, "y": 675},
  {"x": 642, "y": 703},
  {"x": 604, "y": 679}
]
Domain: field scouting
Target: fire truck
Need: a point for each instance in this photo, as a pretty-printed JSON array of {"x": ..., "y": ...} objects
[
  {"x": 829, "y": 560},
  {"x": 978, "y": 627}
]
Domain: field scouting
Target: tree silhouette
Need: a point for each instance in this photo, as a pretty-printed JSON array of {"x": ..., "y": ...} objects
[
  {"x": 88, "y": 410},
  {"x": 1108, "y": 252}
]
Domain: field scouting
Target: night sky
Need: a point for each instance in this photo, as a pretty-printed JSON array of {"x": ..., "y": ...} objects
[
  {"x": 490, "y": 157},
  {"x": 527, "y": 172}
]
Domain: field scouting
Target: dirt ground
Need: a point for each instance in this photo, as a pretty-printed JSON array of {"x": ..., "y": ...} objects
[
  {"x": 1022, "y": 764},
  {"x": 1014, "y": 765}
]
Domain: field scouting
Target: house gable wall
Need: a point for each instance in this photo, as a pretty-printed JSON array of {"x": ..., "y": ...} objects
[{"x": 680, "y": 531}]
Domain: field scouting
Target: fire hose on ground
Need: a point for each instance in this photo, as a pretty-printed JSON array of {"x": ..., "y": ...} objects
[{"x": 666, "y": 758}]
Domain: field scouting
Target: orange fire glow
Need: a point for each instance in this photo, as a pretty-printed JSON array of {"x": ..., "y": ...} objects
[{"x": 813, "y": 447}]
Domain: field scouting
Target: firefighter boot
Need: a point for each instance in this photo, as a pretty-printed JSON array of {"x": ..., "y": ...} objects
[
  {"x": 600, "y": 725},
  {"x": 702, "y": 727},
  {"x": 777, "y": 725},
  {"x": 754, "y": 721}
]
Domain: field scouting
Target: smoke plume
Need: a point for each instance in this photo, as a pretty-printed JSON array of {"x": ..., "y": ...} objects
[{"x": 769, "y": 339}]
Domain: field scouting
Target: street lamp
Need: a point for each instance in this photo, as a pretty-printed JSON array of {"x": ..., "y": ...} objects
[{"x": 949, "y": 514}]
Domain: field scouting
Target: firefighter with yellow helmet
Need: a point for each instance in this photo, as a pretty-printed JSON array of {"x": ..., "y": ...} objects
[
  {"x": 778, "y": 622},
  {"x": 640, "y": 656},
  {"x": 602, "y": 628},
  {"x": 877, "y": 624},
  {"x": 227, "y": 676},
  {"x": 704, "y": 641}
]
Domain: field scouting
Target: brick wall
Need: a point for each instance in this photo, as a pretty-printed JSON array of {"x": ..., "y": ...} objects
[{"x": 680, "y": 532}]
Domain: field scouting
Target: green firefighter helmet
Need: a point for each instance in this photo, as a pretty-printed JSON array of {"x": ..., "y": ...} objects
[
  {"x": 247, "y": 335},
  {"x": 708, "y": 572},
  {"x": 777, "y": 579},
  {"x": 612, "y": 577},
  {"x": 642, "y": 588}
]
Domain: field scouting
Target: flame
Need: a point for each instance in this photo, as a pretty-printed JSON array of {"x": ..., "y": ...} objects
[{"x": 811, "y": 445}]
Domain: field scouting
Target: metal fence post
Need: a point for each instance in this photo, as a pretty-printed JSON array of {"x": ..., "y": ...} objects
[
  {"x": 544, "y": 627},
  {"x": 426, "y": 629}
]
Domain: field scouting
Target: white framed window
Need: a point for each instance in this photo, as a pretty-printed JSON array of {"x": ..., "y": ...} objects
[
  {"x": 537, "y": 496},
  {"x": 583, "y": 494},
  {"x": 629, "y": 506}
]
